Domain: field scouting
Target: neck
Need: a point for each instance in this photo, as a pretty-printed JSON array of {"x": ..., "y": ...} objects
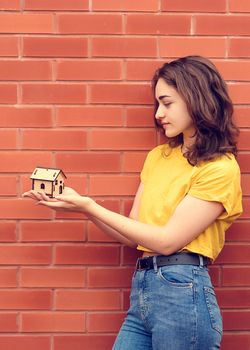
[
  {"x": 184, "y": 148},
  {"x": 188, "y": 141}
]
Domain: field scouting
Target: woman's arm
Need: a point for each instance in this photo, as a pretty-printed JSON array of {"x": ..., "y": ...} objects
[
  {"x": 191, "y": 217},
  {"x": 104, "y": 227},
  {"x": 114, "y": 233}
]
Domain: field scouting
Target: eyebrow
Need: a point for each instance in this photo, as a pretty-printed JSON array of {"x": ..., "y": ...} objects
[{"x": 163, "y": 96}]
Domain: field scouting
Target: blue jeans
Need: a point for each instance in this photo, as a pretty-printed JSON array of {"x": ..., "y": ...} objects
[{"x": 171, "y": 308}]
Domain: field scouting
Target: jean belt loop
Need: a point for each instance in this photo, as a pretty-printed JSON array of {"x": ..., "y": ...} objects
[
  {"x": 201, "y": 260},
  {"x": 155, "y": 263}
]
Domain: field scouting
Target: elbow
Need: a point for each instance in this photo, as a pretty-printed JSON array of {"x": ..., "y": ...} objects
[
  {"x": 132, "y": 245},
  {"x": 167, "y": 250},
  {"x": 167, "y": 246}
]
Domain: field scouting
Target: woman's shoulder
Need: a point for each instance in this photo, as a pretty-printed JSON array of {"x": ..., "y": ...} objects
[
  {"x": 156, "y": 152},
  {"x": 224, "y": 164},
  {"x": 161, "y": 150}
]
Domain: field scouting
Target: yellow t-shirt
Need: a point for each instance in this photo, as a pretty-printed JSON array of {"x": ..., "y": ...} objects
[{"x": 168, "y": 177}]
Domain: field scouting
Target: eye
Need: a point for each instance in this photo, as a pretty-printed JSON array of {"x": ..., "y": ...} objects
[{"x": 167, "y": 104}]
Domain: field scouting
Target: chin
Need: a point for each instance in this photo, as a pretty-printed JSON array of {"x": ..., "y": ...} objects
[{"x": 171, "y": 134}]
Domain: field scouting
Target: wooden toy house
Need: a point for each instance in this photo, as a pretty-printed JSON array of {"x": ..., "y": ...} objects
[{"x": 48, "y": 180}]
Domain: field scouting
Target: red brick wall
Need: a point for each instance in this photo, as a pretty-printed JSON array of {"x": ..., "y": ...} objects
[{"x": 74, "y": 94}]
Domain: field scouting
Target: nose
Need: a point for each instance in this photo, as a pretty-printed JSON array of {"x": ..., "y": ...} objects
[{"x": 159, "y": 114}]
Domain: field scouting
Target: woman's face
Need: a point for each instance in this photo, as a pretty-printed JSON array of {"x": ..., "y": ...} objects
[{"x": 172, "y": 113}]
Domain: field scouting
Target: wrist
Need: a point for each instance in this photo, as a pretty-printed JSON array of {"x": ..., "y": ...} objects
[{"x": 88, "y": 205}]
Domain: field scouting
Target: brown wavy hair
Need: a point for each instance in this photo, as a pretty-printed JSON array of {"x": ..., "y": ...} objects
[{"x": 205, "y": 93}]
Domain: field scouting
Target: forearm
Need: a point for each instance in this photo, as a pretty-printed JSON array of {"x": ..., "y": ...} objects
[
  {"x": 112, "y": 232},
  {"x": 190, "y": 218},
  {"x": 149, "y": 236}
]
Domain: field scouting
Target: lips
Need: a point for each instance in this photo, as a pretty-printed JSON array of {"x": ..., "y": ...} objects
[{"x": 165, "y": 125}]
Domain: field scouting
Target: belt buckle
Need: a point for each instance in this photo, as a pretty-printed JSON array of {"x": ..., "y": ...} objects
[{"x": 146, "y": 264}]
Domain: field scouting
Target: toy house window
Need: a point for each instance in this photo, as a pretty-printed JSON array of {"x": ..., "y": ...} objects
[
  {"x": 42, "y": 186},
  {"x": 61, "y": 182},
  {"x": 56, "y": 182}
]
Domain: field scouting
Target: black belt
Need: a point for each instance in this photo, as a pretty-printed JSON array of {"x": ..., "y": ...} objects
[{"x": 173, "y": 259}]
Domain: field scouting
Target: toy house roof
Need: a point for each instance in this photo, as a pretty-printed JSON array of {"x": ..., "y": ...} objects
[{"x": 48, "y": 174}]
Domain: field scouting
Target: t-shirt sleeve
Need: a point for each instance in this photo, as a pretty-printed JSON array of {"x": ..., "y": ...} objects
[
  {"x": 148, "y": 165},
  {"x": 219, "y": 181}
]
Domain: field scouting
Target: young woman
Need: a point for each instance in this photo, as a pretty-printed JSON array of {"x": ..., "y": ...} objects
[{"x": 188, "y": 196}]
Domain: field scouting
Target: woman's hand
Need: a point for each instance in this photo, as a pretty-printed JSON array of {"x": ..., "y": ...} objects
[{"x": 70, "y": 200}]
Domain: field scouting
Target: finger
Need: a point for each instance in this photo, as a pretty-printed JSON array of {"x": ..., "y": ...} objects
[
  {"x": 67, "y": 199},
  {"x": 53, "y": 205},
  {"x": 36, "y": 194},
  {"x": 46, "y": 198},
  {"x": 48, "y": 204},
  {"x": 29, "y": 195},
  {"x": 26, "y": 194}
]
